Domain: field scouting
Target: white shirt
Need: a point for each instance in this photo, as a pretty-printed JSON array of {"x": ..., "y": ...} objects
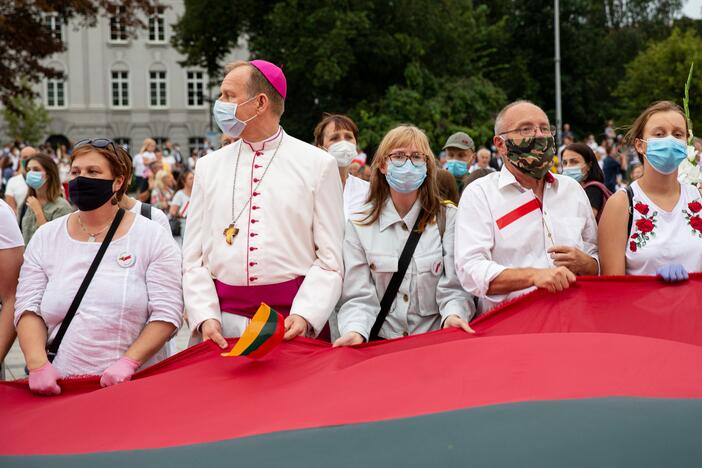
[
  {"x": 292, "y": 227},
  {"x": 491, "y": 236},
  {"x": 672, "y": 239},
  {"x": 355, "y": 195},
  {"x": 430, "y": 290},
  {"x": 182, "y": 201},
  {"x": 156, "y": 215},
  {"x": 139, "y": 167},
  {"x": 10, "y": 234},
  {"x": 17, "y": 188},
  {"x": 124, "y": 295}
]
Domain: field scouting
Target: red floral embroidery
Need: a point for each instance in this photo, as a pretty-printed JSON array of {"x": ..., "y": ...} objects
[
  {"x": 645, "y": 227},
  {"x": 641, "y": 208},
  {"x": 693, "y": 219}
]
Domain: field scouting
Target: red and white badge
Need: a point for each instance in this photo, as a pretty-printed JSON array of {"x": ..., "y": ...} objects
[{"x": 126, "y": 260}]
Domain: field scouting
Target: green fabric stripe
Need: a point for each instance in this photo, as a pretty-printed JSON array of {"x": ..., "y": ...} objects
[
  {"x": 622, "y": 432},
  {"x": 266, "y": 332}
]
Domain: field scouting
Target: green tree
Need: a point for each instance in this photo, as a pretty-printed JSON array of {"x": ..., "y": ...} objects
[
  {"x": 659, "y": 73},
  {"x": 343, "y": 56},
  {"x": 359, "y": 56},
  {"x": 598, "y": 38},
  {"x": 26, "y": 120},
  {"x": 25, "y": 40}
]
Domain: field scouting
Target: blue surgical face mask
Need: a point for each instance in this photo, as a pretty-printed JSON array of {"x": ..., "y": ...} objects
[
  {"x": 457, "y": 168},
  {"x": 225, "y": 116},
  {"x": 406, "y": 178},
  {"x": 575, "y": 172},
  {"x": 35, "y": 179},
  {"x": 665, "y": 154}
]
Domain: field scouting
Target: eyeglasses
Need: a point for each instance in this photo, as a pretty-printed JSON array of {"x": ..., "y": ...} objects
[
  {"x": 530, "y": 130},
  {"x": 97, "y": 143},
  {"x": 400, "y": 158}
]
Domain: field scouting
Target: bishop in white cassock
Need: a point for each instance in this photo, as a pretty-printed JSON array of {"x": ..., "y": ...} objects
[{"x": 265, "y": 221}]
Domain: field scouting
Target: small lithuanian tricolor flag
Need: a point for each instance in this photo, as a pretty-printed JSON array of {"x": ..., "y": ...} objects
[{"x": 264, "y": 333}]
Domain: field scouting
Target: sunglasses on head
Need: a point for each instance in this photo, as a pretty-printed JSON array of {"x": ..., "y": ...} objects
[{"x": 97, "y": 143}]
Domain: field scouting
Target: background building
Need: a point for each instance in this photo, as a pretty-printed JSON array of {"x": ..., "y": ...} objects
[{"x": 126, "y": 88}]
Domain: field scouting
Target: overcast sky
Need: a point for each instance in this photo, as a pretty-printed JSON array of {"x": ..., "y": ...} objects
[{"x": 693, "y": 8}]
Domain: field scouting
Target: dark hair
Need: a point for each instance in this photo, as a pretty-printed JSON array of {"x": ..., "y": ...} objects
[
  {"x": 181, "y": 179},
  {"x": 339, "y": 121},
  {"x": 446, "y": 183},
  {"x": 53, "y": 182},
  {"x": 595, "y": 172}
]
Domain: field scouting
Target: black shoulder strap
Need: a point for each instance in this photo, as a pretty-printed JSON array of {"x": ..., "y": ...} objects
[
  {"x": 630, "y": 195},
  {"x": 23, "y": 211},
  {"x": 53, "y": 347},
  {"x": 146, "y": 210},
  {"x": 396, "y": 280}
]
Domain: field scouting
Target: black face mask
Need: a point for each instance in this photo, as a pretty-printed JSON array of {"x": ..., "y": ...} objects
[{"x": 89, "y": 194}]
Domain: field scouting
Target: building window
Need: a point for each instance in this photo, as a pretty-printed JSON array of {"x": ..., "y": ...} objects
[
  {"x": 52, "y": 21},
  {"x": 118, "y": 31},
  {"x": 157, "y": 88},
  {"x": 120, "y": 89},
  {"x": 55, "y": 93},
  {"x": 157, "y": 26},
  {"x": 161, "y": 142},
  {"x": 196, "y": 143},
  {"x": 196, "y": 88}
]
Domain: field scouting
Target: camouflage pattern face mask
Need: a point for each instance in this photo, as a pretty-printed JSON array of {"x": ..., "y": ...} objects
[{"x": 533, "y": 156}]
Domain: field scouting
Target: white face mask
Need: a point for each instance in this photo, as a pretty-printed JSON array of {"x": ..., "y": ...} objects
[{"x": 344, "y": 152}]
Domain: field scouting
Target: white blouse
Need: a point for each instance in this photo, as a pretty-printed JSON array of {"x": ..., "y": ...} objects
[
  {"x": 138, "y": 281},
  {"x": 660, "y": 237}
]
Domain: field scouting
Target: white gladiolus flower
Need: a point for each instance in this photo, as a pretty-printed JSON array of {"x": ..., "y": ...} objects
[
  {"x": 692, "y": 155},
  {"x": 688, "y": 173}
]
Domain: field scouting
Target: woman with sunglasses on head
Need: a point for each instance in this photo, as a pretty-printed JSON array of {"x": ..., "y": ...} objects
[
  {"x": 655, "y": 226},
  {"x": 403, "y": 198},
  {"x": 132, "y": 305},
  {"x": 44, "y": 200}
]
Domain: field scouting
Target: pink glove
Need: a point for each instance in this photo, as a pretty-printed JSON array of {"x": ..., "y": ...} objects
[
  {"x": 120, "y": 371},
  {"x": 43, "y": 380}
]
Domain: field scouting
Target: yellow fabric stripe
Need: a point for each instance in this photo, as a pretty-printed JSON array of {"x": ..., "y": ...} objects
[{"x": 252, "y": 331}]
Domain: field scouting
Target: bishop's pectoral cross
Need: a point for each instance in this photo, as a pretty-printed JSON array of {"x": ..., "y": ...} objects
[{"x": 230, "y": 233}]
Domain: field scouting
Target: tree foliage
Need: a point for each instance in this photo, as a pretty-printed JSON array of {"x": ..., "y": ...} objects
[
  {"x": 25, "y": 40},
  {"x": 26, "y": 119},
  {"x": 441, "y": 64},
  {"x": 659, "y": 73}
]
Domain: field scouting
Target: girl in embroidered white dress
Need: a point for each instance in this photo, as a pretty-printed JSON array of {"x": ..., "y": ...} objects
[{"x": 665, "y": 238}]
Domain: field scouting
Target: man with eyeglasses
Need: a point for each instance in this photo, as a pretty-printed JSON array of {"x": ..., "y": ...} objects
[{"x": 523, "y": 228}]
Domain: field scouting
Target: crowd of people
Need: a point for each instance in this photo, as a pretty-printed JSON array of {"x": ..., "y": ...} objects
[{"x": 348, "y": 248}]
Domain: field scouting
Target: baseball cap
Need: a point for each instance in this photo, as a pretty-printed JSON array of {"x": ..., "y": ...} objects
[{"x": 460, "y": 140}]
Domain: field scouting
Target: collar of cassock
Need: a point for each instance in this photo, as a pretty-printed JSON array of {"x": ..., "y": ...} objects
[{"x": 268, "y": 143}]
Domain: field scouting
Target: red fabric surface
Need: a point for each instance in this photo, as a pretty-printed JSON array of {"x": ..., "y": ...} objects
[{"x": 605, "y": 337}]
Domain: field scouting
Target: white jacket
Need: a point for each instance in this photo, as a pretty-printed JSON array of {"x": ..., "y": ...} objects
[{"x": 430, "y": 290}]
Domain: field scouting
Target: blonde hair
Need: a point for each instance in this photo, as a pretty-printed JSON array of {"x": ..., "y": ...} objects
[
  {"x": 158, "y": 180},
  {"x": 637, "y": 128},
  {"x": 398, "y": 137},
  {"x": 147, "y": 142}
]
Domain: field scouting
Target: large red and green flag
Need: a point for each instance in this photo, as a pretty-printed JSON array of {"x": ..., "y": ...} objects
[
  {"x": 264, "y": 332},
  {"x": 607, "y": 373}
]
